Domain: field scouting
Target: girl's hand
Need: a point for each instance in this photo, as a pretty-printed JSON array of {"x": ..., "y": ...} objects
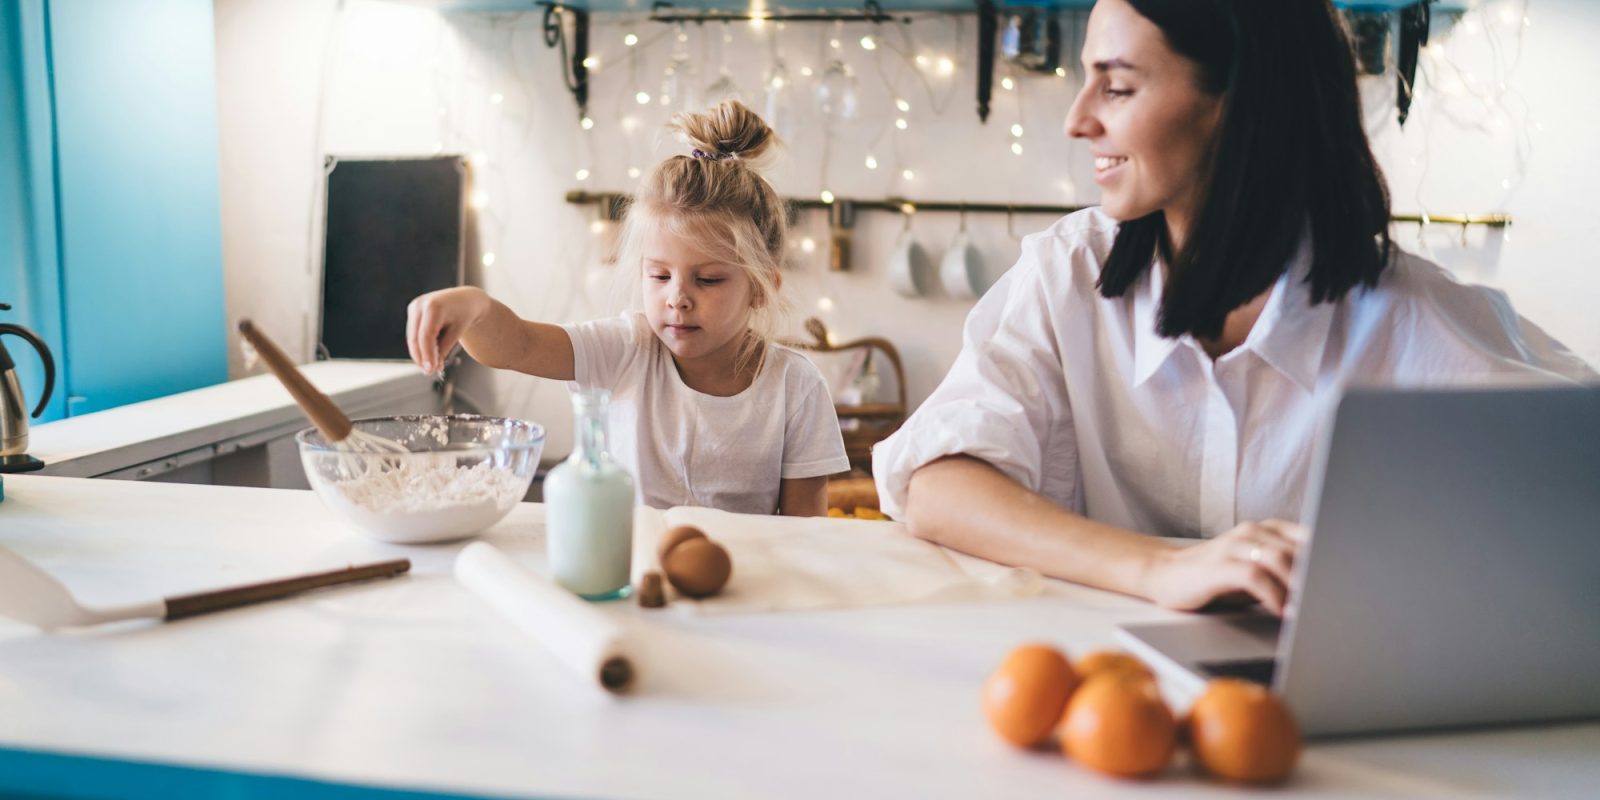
[
  {"x": 1254, "y": 559},
  {"x": 436, "y": 321}
]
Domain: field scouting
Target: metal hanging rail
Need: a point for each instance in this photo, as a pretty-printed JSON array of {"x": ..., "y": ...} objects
[{"x": 842, "y": 210}]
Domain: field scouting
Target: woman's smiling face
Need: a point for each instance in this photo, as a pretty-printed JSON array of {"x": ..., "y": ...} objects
[{"x": 1148, "y": 123}]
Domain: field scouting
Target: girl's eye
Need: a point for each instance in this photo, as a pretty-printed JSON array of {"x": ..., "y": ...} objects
[
  {"x": 660, "y": 278},
  {"x": 711, "y": 281}
]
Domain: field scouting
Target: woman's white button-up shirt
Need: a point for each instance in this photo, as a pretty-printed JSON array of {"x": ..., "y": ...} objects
[{"x": 1077, "y": 397}]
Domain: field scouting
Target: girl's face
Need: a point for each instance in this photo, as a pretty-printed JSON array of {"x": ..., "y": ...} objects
[
  {"x": 697, "y": 306},
  {"x": 1148, "y": 124}
]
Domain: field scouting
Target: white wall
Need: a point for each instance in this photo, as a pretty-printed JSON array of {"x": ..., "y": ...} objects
[{"x": 369, "y": 78}]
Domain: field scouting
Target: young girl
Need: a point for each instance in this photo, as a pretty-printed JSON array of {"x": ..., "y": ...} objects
[{"x": 706, "y": 409}]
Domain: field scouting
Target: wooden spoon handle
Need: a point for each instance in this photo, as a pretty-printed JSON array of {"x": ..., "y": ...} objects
[
  {"x": 317, "y": 406},
  {"x": 189, "y": 605}
]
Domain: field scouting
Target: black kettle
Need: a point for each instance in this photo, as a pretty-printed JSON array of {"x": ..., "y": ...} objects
[{"x": 13, "y": 407}]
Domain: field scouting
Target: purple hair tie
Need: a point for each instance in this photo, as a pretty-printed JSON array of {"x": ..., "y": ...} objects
[{"x": 704, "y": 156}]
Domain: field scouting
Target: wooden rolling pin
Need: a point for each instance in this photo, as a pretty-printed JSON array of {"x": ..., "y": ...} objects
[{"x": 318, "y": 407}]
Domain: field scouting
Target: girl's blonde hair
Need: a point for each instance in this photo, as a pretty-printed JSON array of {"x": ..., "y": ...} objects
[{"x": 718, "y": 200}]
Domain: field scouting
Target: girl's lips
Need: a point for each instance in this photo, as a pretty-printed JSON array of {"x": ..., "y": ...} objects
[{"x": 681, "y": 330}]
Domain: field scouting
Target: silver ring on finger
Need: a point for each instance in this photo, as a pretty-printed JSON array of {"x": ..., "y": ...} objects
[{"x": 1255, "y": 555}]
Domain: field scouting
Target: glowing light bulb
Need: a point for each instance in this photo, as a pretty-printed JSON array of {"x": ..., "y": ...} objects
[
  {"x": 496, "y": 98},
  {"x": 825, "y": 304},
  {"x": 808, "y": 245},
  {"x": 908, "y": 174},
  {"x": 867, "y": 43},
  {"x": 946, "y": 66},
  {"x": 1061, "y": 72},
  {"x": 922, "y": 61},
  {"x": 872, "y": 161},
  {"x": 488, "y": 259},
  {"x": 583, "y": 174},
  {"x": 597, "y": 227},
  {"x": 480, "y": 200},
  {"x": 834, "y": 43},
  {"x": 630, "y": 40},
  {"x": 1016, "y": 130},
  {"x": 1007, "y": 84},
  {"x": 902, "y": 105},
  {"x": 1016, "y": 148},
  {"x": 586, "y": 123},
  {"x": 827, "y": 196},
  {"x": 901, "y": 123},
  {"x": 591, "y": 62},
  {"x": 806, "y": 71},
  {"x": 643, "y": 98}
]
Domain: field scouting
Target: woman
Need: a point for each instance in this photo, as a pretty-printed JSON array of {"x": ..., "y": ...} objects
[{"x": 1160, "y": 364}]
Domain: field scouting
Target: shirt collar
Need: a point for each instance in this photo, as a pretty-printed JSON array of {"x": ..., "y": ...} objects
[
  {"x": 1150, "y": 349},
  {"x": 1290, "y": 335}
]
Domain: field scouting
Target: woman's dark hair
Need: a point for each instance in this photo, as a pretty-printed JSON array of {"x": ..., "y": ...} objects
[{"x": 1290, "y": 152}]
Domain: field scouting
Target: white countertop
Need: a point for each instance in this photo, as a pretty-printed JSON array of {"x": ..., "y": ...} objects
[
  {"x": 242, "y": 412},
  {"x": 413, "y": 683}
]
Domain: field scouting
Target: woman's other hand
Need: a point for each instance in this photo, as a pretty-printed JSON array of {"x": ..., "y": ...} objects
[
  {"x": 1254, "y": 559},
  {"x": 436, "y": 321}
]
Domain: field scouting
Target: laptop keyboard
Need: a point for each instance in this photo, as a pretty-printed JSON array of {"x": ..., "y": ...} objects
[{"x": 1255, "y": 670}]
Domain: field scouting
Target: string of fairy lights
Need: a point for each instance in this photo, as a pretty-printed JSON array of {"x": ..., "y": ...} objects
[{"x": 643, "y": 71}]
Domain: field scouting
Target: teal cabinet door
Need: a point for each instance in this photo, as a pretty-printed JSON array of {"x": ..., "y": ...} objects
[
  {"x": 137, "y": 197},
  {"x": 29, "y": 278}
]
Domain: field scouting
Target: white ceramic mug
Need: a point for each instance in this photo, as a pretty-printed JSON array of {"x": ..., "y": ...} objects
[
  {"x": 961, "y": 270},
  {"x": 908, "y": 266}
]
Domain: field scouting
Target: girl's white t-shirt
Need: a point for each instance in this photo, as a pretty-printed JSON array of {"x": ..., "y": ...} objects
[{"x": 685, "y": 447}]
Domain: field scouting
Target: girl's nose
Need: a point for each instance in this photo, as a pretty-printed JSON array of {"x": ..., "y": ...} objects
[{"x": 677, "y": 298}]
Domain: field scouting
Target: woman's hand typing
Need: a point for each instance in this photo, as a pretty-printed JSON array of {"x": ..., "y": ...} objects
[{"x": 1252, "y": 560}]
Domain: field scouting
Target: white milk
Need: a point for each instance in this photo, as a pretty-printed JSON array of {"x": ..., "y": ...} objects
[{"x": 589, "y": 509}]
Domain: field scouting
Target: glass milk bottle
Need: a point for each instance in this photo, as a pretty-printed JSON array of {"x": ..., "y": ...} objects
[{"x": 588, "y": 502}]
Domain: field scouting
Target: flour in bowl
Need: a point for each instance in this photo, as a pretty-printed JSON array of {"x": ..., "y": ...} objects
[{"x": 417, "y": 499}]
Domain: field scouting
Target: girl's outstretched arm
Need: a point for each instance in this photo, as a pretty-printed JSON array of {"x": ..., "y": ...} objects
[
  {"x": 490, "y": 332},
  {"x": 803, "y": 497}
]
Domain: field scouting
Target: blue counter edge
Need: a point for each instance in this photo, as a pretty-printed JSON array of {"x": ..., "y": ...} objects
[{"x": 38, "y": 774}]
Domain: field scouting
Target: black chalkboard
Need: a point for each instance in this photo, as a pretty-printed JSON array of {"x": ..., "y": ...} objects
[{"x": 393, "y": 230}]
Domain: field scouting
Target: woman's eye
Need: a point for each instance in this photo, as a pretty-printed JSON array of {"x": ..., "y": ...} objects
[{"x": 1112, "y": 91}]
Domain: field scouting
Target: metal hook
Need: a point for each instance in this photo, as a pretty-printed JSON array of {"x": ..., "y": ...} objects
[
  {"x": 963, "y": 217},
  {"x": 1010, "y": 219}
]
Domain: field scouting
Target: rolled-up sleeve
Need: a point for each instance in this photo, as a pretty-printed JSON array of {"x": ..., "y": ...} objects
[{"x": 1004, "y": 400}]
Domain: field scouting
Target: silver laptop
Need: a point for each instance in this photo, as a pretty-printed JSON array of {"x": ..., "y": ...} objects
[{"x": 1453, "y": 577}]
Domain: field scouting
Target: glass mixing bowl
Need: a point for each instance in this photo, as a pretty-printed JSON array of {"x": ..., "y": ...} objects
[{"x": 458, "y": 474}]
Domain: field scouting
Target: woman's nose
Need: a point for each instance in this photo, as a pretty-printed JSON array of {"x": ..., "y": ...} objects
[{"x": 1081, "y": 122}]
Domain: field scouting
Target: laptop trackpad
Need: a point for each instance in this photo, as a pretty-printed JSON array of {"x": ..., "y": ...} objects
[{"x": 1233, "y": 645}]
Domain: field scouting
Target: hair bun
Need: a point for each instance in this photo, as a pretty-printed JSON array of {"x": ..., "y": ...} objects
[{"x": 728, "y": 130}]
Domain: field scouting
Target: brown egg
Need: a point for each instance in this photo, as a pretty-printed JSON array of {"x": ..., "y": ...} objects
[
  {"x": 1116, "y": 723},
  {"x": 1023, "y": 698},
  {"x": 1105, "y": 660},
  {"x": 1241, "y": 732},
  {"x": 674, "y": 537},
  {"x": 697, "y": 567}
]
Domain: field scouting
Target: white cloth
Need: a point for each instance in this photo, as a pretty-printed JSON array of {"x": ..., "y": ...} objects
[
  {"x": 1078, "y": 398},
  {"x": 686, "y": 448}
]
